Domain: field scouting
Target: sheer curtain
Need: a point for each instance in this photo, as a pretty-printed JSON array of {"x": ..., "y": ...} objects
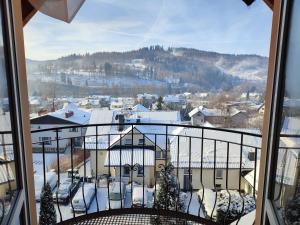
[{"x": 60, "y": 9}]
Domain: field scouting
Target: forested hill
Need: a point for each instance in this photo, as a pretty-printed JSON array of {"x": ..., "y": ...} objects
[{"x": 181, "y": 66}]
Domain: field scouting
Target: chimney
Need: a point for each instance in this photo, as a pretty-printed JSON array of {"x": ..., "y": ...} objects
[
  {"x": 53, "y": 107},
  {"x": 121, "y": 119},
  {"x": 69, "y": 114}
]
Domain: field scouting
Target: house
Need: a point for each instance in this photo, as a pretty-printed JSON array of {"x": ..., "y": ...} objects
[
  {"x": 69, "y": 115},
  {"x": 237, "y": 118},
  {"x": 137, "y": 145},
  {"x": 187, "y": 153},
  {"x": 202, "y": 114},
  {"x": 284, "y": 45},
  {"x": 147, "y": 99},
  {"x": 231, "y": 117},
  {"x": 140, "y": 108},
  {"x": 175, "y": 101}
]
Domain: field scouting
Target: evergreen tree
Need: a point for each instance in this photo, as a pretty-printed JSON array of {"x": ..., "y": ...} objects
[
  {"x": 168, "y": 193},
  {"x": 47, "y": 210},
  {"x": 159, "y": 103}
]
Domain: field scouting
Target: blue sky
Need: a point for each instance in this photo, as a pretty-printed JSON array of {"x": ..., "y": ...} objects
[{"x": 226, "y": 26}]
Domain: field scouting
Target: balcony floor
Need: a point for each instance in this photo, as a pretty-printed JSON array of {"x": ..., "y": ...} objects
[
  {"x": 136, "y": 219},
  {"x": 138, "y": 216}
]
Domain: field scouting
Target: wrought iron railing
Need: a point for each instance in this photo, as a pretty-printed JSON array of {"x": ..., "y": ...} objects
[{"x": 206, "y": 164}]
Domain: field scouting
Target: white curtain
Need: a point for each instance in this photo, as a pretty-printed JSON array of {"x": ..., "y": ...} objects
[{"x": 60, "y": 9}]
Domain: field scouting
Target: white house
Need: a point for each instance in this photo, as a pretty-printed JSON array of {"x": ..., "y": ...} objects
[
  {"x": 69, "y": 115},
  {"x": 124, "y": 150},
  {"x": 213, "y": 160}
]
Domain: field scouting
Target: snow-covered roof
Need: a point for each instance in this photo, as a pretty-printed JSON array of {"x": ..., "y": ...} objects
[
  {"x": 108, "y": 116},
  {"x": 207, "y": 124},
  {"x": 172, "y": 99},
  {"x": 80, "y": 116},
  {"x": 140, "y": 108},
  {"x": 147, "y": 96},
  {"x": 149, "y": 131},
  {"x": 159, "y": 116},
  {"x": 115, "y": 135},
  {"x": 99, "y": 116},
  {"x": 206, "y": 111},
  {"x": 213, "y": 112},
  {"x": 222, "y": 138},
  {"x": 113, "y": 158}
]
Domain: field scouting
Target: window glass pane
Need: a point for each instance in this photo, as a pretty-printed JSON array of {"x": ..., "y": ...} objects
[
  {"x": 286, "y": 195},
  {"x": 8, "y": 184}
]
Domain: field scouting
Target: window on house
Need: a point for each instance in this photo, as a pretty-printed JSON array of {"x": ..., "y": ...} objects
[
  {"x": 126, "y": 171},
  {"x": 218, "y": 186},
  {"x": 158, "y": 154},
  {"x": 141, "y": 141},
  {"x": 128, "y": 142},
  {"x": 73, "y": 129},
  {"x": 140, "y": 171},
  {"x": 45, "y": 140},
  {"x": 219, "y": 174}
]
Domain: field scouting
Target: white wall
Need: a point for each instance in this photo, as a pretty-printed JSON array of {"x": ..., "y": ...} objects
[{"x": 65, "y": 134}]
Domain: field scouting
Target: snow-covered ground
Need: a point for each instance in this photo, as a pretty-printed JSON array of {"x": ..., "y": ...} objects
[
  {"x": 37, "y": 159},
  {"x": 192, "y": 204},
  {"x": 102, "y": 195}
]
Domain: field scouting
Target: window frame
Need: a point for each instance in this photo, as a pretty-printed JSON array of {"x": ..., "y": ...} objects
[{"x": 128, "y": 142}]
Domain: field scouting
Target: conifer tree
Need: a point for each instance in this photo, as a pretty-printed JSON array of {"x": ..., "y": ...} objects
[
  {"x": 159, "y": 103},
  {"x": 47, "y": 210},
  {"x": 168, "y": 193}
]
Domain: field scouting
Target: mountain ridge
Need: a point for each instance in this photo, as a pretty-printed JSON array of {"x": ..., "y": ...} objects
[{"x": 176, "y": 66}]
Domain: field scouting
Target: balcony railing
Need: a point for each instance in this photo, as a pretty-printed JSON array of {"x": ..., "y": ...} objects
[{"x": 198, "y": 166}]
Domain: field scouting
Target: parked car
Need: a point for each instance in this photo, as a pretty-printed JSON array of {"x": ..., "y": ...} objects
[
  {"x": 137, "y": 196},
  {"x": 88, "y": 191},
  {"x": 117, "y": 194},
  {"x": 51, "y": 179},
  {"x": 66, "y": 190},
  {"x": 75, "y": 173}
]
